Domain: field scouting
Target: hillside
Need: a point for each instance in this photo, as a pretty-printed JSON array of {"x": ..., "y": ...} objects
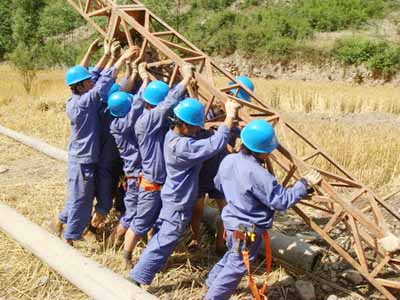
[{"x": 357, "y": 35}]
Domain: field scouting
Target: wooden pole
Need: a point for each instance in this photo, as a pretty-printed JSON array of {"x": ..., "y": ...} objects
[{"x": 95, "y": 280}]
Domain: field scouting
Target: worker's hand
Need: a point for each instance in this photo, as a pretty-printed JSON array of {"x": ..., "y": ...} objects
[
  {"x": 130, "y": 52},
  {"x": 94, "y": 46},
  {"x": 187, "y": 70},
  {"x": 115, "y": 48},
  {"x": 143, "y": 72},
  {"x": 231, "y": 108},
  {"x": 313, "y": 177},
  {"x": 107, "y": 47}
]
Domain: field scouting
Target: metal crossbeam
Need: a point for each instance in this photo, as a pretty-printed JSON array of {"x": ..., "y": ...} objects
[{"x": 350, "y": 208}]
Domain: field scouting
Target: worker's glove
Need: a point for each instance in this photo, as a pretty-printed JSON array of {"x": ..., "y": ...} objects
[
  {"x": 187, "y": 70},
  {"x": 231, "y": 108},
  {"x": 134, "y": 67},
  {"x": 143, "y": 72},
  {"x": 313, "y": 178},
  {"x": 115, "y": 48}
]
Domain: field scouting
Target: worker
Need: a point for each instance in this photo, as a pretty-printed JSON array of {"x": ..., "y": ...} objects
[
  {"x": 84, "y": 146},
  {"x": 150, "y": 130},
  {"x": 126, "y": 109},
  {"x": 209, "y": 170},
  {"x": 206, "y": 187},
  {"x": 253, "y": 195},
  {"x": 183, "y": 158},
  {"x": 109, "y": 166}
]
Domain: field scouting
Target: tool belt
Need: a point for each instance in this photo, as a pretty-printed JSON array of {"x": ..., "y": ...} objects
[
  {"x": 245, "y": 238},
  {"x": 149, "y": 186}
]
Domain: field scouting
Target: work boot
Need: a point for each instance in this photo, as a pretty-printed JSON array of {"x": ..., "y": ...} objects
[
  {"x": 89, "y": 235},
  {"x": 98, "y": 219},
  {"x": 56, "y": 227}
]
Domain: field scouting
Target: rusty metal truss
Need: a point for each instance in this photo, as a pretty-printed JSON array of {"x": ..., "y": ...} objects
[{"x": 348, "y": 215}]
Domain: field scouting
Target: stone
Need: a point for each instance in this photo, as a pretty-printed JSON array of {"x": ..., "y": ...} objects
[
  {"x": 305, "y": 289},
  {"x": 390, "y": 242},
  {"x": 332, "y": 297},
  {"x": 287, "y": 280},
  {"x": 352, "y": 276},
  {"x": 327, "y": 288}
]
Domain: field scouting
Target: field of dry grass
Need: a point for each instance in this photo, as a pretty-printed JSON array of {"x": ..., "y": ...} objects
[{"x": 346, "y": 120}]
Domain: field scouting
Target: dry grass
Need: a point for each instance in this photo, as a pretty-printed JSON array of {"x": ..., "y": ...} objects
[
  {"x": 325, "y": 97},
  {"x": 35, "y": 184}
]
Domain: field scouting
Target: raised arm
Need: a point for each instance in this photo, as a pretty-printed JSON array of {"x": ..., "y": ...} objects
[
  {"x": 91, "y": 50},
  {"x": 159, "y": 114}
]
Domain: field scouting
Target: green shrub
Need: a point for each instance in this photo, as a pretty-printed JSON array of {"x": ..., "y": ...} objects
[
  {"x": 386, "y": 62},
  {"x": 333, "y": 15},
  {"x": 354, "y": 50},
  {"x": 380, "y": 57}
]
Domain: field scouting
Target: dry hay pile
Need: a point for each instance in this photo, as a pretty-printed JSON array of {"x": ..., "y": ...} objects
[{"x": 35, "y": 186}]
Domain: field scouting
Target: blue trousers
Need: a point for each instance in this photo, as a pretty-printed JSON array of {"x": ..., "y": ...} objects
[
  {"x": 148, "y": 210},
  {"x": 79, "y": 203},
  {"x": 130, "y": 201},
  {"x": 225, "y": 276},
  {"x": 107, "y": 177},
  {"x": 159, "y": 248}
]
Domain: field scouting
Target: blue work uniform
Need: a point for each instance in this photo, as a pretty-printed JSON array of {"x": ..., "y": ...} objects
[
  {"x": 183, "y": 159},
  {"x": 83, "y": 155},
  {"x": 109, "y": 167},
  {"x": 253, "y": 195},
  {"x": 150, "y": 130},
  {"x": 210, "y": 167},
  {"x": 122, "y": 129}
]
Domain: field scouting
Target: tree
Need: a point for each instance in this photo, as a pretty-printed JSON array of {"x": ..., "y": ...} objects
[
  {"x": 25, "y": 34},
  {"x": 6, "y": 40}
]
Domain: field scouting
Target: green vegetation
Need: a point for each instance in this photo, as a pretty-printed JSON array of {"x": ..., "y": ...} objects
[
  {"x": 379, "y": 57},
  {"x": 273, "y": 30}
]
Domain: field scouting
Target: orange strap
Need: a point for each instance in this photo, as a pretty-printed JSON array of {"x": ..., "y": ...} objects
[
  {"x": 259, "y": 294},
  {"x": 149, "y": 186}
]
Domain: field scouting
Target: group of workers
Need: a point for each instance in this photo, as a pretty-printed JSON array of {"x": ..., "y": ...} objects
[{"x": 155, "y": 135}]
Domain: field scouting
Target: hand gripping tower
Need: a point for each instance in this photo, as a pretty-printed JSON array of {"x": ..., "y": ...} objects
[{"x": 351, "y": 211}]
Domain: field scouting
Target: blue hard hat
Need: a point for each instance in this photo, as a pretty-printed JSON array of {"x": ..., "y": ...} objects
[
  {"x": 190, "y": 111},
  {"x": 155, "y": 92},
  {"x": 76, "y": 74},
  {"x": 119, "y": 104},
  {"x": 114, "y": 88},
  {"x": 259, "y": 136},
  {"x": 246, "y": 81}
]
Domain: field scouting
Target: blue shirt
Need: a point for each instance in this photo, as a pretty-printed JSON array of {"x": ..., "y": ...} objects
[
  {"x": 150, "y": 130},
  {"x": 122, "y": 129},
  {"x": 82, "y": 111},
  {"x": 252, "y": 193},
  {"x": 109, "y": 153},
  {"x": 183, "y": 160}
]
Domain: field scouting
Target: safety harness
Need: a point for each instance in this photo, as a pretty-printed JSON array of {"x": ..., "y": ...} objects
[{"x": 245, "y": 238}]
